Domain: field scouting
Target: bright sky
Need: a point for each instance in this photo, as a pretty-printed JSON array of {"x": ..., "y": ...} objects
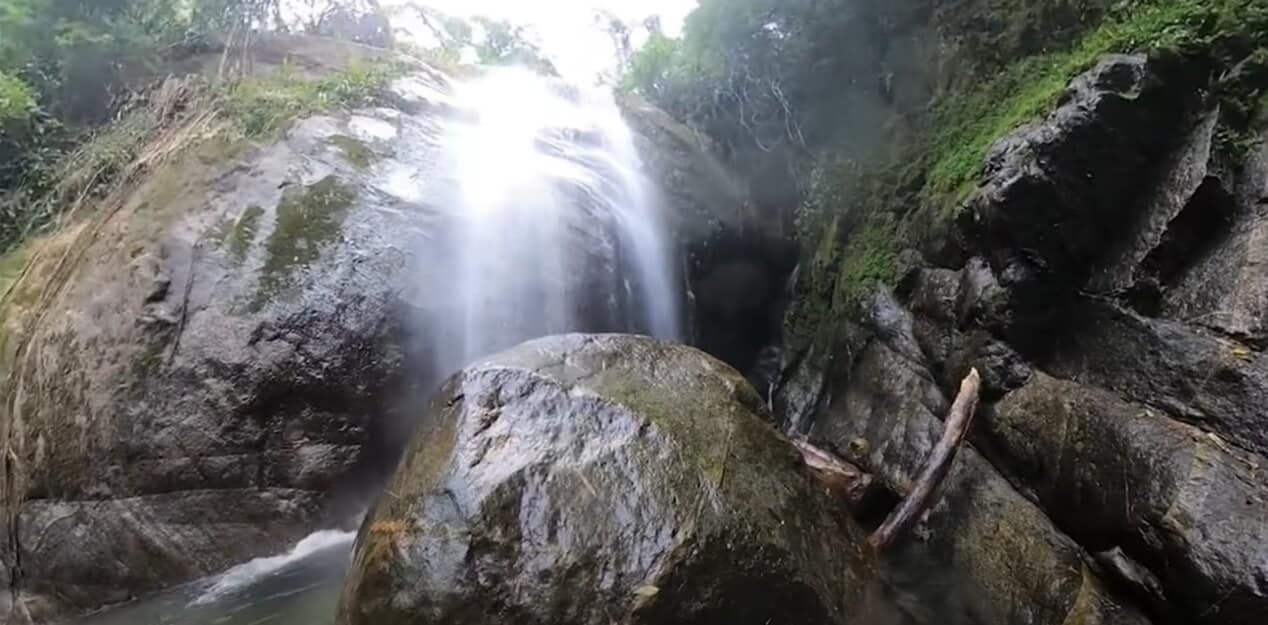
[{"x": 566, "y": 29}]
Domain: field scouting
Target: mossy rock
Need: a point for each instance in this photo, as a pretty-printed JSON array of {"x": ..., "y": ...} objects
[
  {"x": 307, "y": 220},
  {"x": 360, "y": 155},
  {"x": 237, "y": 235},
  {"x": 597, "y": 479}
]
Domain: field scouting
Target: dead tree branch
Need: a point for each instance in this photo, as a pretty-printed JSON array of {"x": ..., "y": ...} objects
[
  {"x": 842, "y": 479},
  {"x": 936, "y": 468}
]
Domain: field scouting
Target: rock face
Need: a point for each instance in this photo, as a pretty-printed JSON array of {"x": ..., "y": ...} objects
[
  {"x": 198, "y": 373},
  {"x": 216, "y": 360},
  {"x": 1110, "y": 292},
  {"x": 598, "y": 479},
  {"x": 736, "y": 253}
]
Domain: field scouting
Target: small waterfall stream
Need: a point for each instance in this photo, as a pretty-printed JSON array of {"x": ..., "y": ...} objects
[{"x": 545, "y": 224}]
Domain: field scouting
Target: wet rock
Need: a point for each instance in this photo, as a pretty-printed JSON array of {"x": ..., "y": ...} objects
[
  {"x": 1114, "y": 474},
  {"x": 1188, "y": 373},
  {"x": 1055, "y": 189},
  {"x": 598, "y": 479},
  {"x": 737, "y": 254},
  {"x": 217, "y": 363},
  {"x": 1182, "y": 176},
  {"x": 1004, "y": 561},
  {"x": 125, "y": 544},
  {"x": 1223, "y": 285},
  {"x": 1110, "y": 290},
  {"x": 204, "y": 377}
]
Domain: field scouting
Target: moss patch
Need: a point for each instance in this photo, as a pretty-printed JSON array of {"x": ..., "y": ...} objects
[
  {"x": 869, "y": 259},
  {"x": 307, "y": 221},
  {"x": 354, "y": 150},
  {"x": 237, "y": 236}
]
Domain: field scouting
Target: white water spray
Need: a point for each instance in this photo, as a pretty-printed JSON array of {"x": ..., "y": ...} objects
[
  {"x": 552, "y": 226},
  {"x": 249, "y": 573}
]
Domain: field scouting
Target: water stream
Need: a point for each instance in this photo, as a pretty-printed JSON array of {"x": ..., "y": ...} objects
[{"x": 548, "y": 226}]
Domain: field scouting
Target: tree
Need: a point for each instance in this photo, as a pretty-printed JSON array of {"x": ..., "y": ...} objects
[
  {"x": 486, "y": 40},
  {"x": 504, "y": 43}
]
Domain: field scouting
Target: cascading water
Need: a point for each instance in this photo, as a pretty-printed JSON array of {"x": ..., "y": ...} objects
[
  {"x": 543, "y": 223},
  {"x": 550, "y": 225}
]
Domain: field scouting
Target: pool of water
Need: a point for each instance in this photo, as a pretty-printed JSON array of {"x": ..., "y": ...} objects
[{"x": 297, "y": 588}]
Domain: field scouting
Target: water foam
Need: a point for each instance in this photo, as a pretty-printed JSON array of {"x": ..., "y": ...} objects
[{"x": 249, "y": 573}]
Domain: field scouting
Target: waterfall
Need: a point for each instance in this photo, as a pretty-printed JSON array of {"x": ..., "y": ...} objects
[
  {"x": 539, "y": 220},
  {"x": 549, "y": 224}
]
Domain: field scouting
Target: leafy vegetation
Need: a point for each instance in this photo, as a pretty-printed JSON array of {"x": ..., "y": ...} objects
[
  {"x": 482, "y": 40},
  {"x": 16, "y": 99},
  {"x": 73, "y": 81},
  {"x": 61, "y": 180},
  {"x": 263, "y": 105}
]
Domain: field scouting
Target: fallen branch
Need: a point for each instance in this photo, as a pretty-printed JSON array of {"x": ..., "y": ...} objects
[
  {"x": 935, "y": 470},
  {"x": 842, "y": 479}
]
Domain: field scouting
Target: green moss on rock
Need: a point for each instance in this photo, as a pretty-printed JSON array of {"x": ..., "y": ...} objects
[
  {"x": 354, "y": 150},
  {"x": 965, "y": 125},
  {"x": 308, "y": 220},
  {"x": 237, "y": 236},
  {"x": 869, "y": 259},
  {"x": 855, "y": 218}
]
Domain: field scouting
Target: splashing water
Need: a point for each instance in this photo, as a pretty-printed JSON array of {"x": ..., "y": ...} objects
[{"x": 244, "y": 575}]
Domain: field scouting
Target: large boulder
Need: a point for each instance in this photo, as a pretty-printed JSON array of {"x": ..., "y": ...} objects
[
  {"x": 597, "y": 479},
  {"x": 1116, "y": 474}
]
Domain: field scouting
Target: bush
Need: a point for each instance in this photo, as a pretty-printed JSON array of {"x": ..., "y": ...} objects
[
  {"x": 263, "y": 105},
  {"x": 17, "y": 101}
]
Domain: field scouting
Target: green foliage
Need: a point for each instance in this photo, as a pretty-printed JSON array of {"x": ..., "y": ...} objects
[
  {"x": 488, "y": 41},
  {"x": 17, "y": 101},
  {"x": 651, "y": 71},
  {"x": 264, "y": 105},
  {"x": 869, "y": 259},
  {"x": 60, "y": 181},
  {"x": 68, "y": 117},
  {"x": 504, "y": 43},
  {"x": 966, "y": 125}
]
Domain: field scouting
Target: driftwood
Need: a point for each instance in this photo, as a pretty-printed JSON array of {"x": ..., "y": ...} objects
[
  {"x": 936, "y": 468},
  {"x": 842, "y": 479}
]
